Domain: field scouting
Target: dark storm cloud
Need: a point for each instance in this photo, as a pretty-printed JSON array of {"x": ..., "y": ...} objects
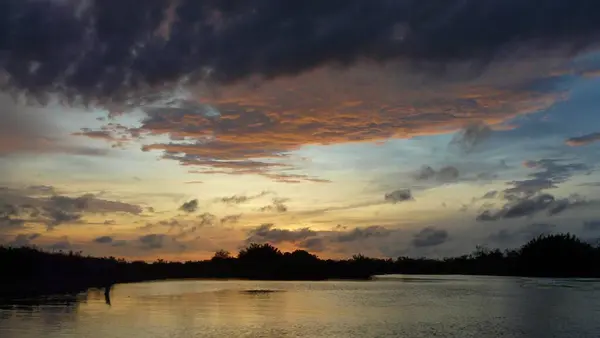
[
  {"x": 110, "y": 48},
  {"x": 190, "y": 206},
  {"x": 430, "y": 237}
]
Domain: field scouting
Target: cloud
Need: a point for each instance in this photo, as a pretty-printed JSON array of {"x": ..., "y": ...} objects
[
  {"x": 111, "y": 50},
  {"x": 550, "y": 173},
  {"x": 490, "y": 194},
  {"x": 43, "y": 190},
  {"x": 152, "y": 241},
  {"x": 231, "y": 219},
  {"x": 339, "y": 240},
  {"x": 314, "y": 244},
  {"x": 111, "y": 133},
  {"x": 267, "y": 233},
  {"x": 445, "y": 174},
  {"x": 240, "y": 199},
  {"x": 64, "y": 209},
  {"x": 555, "y": 169},
  {"x": 583, "y": 140},
  {"x": 171, "y": 223},
  {"x": 23, "y": 239},
  {"x": 528, "y": 187},
  {"x": 180, "y": 228},
  {"x": 8, "y": 220},
  {"x": 110, "y": 240},
  {"x": 104, "y": 240},
  {"x": 429, "y": 236},
  {"x": 27, "y": 130},
  {"x": 190, "y": 206},
  {"x": 277, "y": 206},
  {"x": 55, "y": 210},
  {"x": 57, "y": 217},
  {"x": 119, "y": 243},
  {"x": 362, "y": 233},
  {"x": 471, "y": 136},
  {"x": 591, "y": 225},
  {"x": 249, "y": 137},
  {"x": 399, "y": 196},
  {"x": 95, "y": 134},
  {"x": 194, "y": 182},
  {"x": 531, "y": 205},
  {"x": 207, "y": 219}
]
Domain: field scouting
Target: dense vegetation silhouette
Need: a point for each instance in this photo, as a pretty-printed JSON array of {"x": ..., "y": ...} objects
[{"x": 30, "y": 271}]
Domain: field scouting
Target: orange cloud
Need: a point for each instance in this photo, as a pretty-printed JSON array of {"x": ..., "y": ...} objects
[{"x": 251, "y": 127}]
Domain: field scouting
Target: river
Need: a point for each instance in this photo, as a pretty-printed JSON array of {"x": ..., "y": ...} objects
[{"x": 394, "y": 306}]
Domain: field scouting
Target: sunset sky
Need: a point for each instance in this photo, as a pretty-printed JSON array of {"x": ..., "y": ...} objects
[{"x": 175, "y": 129}]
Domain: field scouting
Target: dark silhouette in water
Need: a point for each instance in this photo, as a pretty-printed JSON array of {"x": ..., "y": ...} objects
[
  {"x": 107, "y": 294},
  {"x": 30, "y": 272}
]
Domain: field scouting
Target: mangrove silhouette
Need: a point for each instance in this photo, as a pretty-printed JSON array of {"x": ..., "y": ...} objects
[{"x": 30, "y": 271}]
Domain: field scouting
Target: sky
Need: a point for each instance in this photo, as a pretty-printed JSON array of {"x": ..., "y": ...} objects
[{"x": 173, "y": 129}]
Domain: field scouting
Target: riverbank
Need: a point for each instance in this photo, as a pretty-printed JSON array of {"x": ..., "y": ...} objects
[{"x": 30, "y": 271}]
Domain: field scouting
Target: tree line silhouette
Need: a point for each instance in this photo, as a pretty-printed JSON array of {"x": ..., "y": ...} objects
[{"x": 28, "y": 271}]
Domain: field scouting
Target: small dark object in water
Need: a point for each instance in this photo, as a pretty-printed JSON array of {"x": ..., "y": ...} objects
[{"x": 107, "y": 294}]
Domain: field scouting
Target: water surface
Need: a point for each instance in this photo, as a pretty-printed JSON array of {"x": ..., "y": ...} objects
[{"x": 399, "y": 306}]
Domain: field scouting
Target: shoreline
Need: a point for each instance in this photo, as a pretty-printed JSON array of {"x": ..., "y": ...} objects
[{"x": 34, "y": 291}]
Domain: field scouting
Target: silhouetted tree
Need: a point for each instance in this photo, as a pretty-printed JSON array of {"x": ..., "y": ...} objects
[
  {"x": 31, "y": 271},
  {"x": 301, "y": 257},
  {"x": 222, "y": 255},
  {"x": 559, "y": 255},
  {"x": 259, "y": 253}
]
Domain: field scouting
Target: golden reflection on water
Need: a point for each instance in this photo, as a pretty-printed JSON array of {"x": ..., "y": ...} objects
[
  {"x": 218, "y": 303},
  {"x": 401, "y": 307}
]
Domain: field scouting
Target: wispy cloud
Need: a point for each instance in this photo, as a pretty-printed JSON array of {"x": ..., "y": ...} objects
[
  {"x": 240, "y": 199},
  {"x": 583, "y": 140}
]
